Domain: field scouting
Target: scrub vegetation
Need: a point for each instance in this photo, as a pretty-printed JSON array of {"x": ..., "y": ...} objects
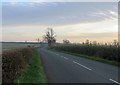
[
  {"x": 107, "y": 53},
  {"x": 22, "y": 65}
]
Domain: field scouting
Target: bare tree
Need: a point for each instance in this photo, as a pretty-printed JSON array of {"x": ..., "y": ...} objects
[
  {"x": 50, "y": 36},
  {"x": 66, "y": 41},
  {"x": 87, "y": 42},
  {"x": 38, "y": 40},
  {"x": 115, "y": 42}
]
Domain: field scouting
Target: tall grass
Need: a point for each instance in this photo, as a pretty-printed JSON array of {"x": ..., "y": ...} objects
[{"x": 105, "y": 51}]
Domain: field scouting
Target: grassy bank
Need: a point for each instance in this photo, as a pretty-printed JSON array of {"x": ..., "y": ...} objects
[
  {"x": 105, "y": 54},
  {"x": 34, "y": 72}
]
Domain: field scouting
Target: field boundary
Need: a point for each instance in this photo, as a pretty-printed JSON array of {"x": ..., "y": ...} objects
[{"x": 114, "y": 63}]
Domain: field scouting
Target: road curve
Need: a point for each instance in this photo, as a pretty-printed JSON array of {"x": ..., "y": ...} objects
[{"x": 65, "y": 68}]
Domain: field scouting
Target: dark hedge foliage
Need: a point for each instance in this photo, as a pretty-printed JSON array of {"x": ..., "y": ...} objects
[
  {"x": 109, "y": 52},
  {"x": 14, "y": 62}
]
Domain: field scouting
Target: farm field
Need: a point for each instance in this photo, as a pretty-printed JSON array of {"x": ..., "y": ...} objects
[{"x": 13, "y": 45}]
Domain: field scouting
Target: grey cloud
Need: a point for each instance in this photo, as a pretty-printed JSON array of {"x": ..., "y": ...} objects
[{"x": 54, "y": 13}]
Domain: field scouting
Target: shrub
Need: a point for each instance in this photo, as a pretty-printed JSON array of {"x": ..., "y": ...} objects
[
  {"x": 14, "y": 63},
  {"x": 109, "y": 52}
]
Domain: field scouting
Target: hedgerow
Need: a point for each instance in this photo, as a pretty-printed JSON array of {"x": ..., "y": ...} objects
[
  {"x": 109, "y": 52},
  {"x": 14, "y": 63}
]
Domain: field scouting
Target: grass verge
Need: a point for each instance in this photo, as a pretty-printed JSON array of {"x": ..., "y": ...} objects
[
  {"x": 92, "y": 58},
  {"x": 34, "y": 73}
]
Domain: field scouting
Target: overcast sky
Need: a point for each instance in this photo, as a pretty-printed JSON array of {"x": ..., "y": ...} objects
[
  {"x": 60, "y": 0},
  {"x": 76, "y": 21}
]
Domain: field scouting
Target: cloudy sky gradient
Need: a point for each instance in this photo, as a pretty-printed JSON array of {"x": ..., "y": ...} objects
[{"x": 76, "y": 21}]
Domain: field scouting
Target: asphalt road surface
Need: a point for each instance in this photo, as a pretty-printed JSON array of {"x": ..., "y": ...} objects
[{"x": 66, "y": 68}]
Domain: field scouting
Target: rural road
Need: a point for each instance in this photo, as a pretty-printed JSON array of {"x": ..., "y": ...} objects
[{"x": 66, "y": 68}]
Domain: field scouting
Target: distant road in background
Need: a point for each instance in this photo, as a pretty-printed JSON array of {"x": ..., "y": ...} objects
[{"x": 65, "y": 68}]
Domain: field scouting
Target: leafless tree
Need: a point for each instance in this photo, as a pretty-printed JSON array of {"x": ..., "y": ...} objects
[
  {"x": 38, "y": 40},
  {"x": 66, "y": 41},
  {"x": 87, "y": 42},
  {"x": 115, "y": 42},
  {"x": 50, "y": 36}
]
